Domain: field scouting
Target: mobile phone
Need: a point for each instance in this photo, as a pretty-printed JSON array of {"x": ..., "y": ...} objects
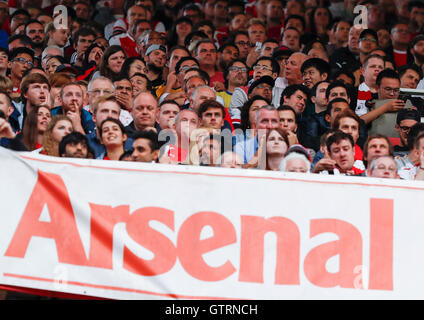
[{"x": 258, "y": 46}]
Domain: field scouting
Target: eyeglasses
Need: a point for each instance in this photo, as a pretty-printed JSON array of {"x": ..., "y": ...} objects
[
  {"x": 243, "y": 43},
  {"x": 185, "y": 68},
  {"x": 23, "y": 61},
  {"x": 391, "y": 90},
  {"x": 236, "y": 69},
  {"x": 261, "y": 86},
  {"x": 100, "y": 91},
  {"x": 402, "y": 30},
  {"x": 368, "y": 39},
  {"x": 405, "y": 128},
  {"x": 263, "y": 68}
]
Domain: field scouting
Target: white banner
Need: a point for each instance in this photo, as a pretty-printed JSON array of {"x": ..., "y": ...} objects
[{"x": 126, "y": 230}]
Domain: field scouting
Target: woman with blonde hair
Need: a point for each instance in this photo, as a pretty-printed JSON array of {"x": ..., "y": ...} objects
[{"x": 59, "y": 126}]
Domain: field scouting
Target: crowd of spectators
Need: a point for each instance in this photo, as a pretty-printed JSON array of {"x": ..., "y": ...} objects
[{"x": 283, "y": 85}]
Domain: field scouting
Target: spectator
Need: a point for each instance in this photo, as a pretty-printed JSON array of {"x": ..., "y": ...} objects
[
  {"x": 297, "y": 159},
  {"x": 58, "y": 127},
  {"x": 112, "y": 136},
  {"x": 383, "y": 167},
  {"x": 75, "y": 145},
  {"x": 145, "y": 146}
]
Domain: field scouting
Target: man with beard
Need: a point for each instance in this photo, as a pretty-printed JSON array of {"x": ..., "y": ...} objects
[
  {"x": 35, "y": 31},
  {"x": 71, "y": 95},
  {"x": 155, "y": 58},
  {"x": 74, "y": 145}
]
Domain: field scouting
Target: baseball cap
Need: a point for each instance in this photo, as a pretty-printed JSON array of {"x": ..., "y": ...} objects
[
  {"x": 281, "y": 51},
  {"x": 265, "y": 79},
  {"x": 155, "y": 47},
  {"x": 66, "y": 68},
  {"x": 299, "y": 149},
  {"x": 416, "y": 39},
  {"x": 370, "y": 32},
  {"x": 408, "y": 114}
]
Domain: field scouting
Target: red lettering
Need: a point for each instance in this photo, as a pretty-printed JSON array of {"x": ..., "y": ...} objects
[
  {"x": 50, "y": 191},
  {"x": 348, "y": 247},
  {"x": 103, "y": 220},
  {"x": 381, "y": 244},
  {"x": 253, "y": 230},
  {"x": 191, "y": 248},
  {"x": 138, "y": 229}
]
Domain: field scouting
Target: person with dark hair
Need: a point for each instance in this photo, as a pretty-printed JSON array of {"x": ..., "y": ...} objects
[
  {"x": 34, "y": 29},
  {"x": 227, "y": 52},
  {"x": 91, "y": 62},
  {"x": 368, "y": 41},
  {"x": 388, "y": 88},
  {"x": 75, "y": 145},
  {"x": 110, "y": 65},
  {"x": 288, "y": 123},
  {"x": 112, "y": 136},
  {"x": 124, "y": 93},
  {"x": 405, "y": 119},
  {"x": 241, "y": 39},
  {"x": 172, "y": 84},
  {"x": 416, "y": 14},
  {"x": 140, "y": 83},
  {"x": 320, "y": 19},
  {"x": 17, "y": 41},
  {"x": 192, "y": 38},
  {"x": 83, "y": 38},
  {"x": 193, "y": 12},
  {"x": 314, "y": 70},
  {"x": 155, "y": 58},
  {"x": 207, "y": 27},
  {"x": 179, "y": 31},
  {"x": 341, "y": 156},
  {"x": 206, "y": 53},
  {"x": 21, "y": 59},
  {"x": 235, "y": 75},
  {"x": 313, "y": 127},
  {"x": 340, "y": 35},
  {"x": 211, "y": 114},
  {"x": 274, "y": 18},
  {"x": 248, "y": 112},
  {"x": 145, "y": 146},
  {"x": 18, "y": 17},
  {"x": 295, "y": 96}
]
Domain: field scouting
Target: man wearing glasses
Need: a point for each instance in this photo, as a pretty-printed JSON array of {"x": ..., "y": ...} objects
[
  {"x": 368, "y": 41},
  {"x": 388, "y": 87},
  {"x": 405, "y": 120},
  {"x": 20, "y": 60},
  {"x": 235, "y": 76}
]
